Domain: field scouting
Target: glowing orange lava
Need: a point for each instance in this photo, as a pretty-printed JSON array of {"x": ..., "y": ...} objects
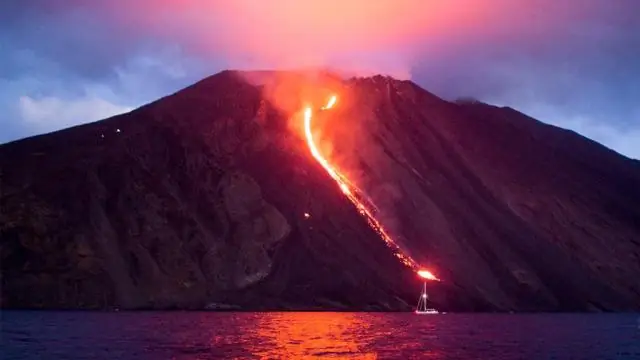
[
  {"x": 427, "y": 275},
  {"x": 347, "y": 188}
]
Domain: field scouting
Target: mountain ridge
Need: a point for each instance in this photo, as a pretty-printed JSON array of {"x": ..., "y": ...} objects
[{"x": 160, "y": 220}]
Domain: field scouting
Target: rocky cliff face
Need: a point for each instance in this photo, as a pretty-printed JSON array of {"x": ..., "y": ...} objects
[{"x": 209, "y": 196}]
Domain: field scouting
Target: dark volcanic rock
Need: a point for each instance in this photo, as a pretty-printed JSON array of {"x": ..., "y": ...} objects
[
  {"x": 198, "y": 200},
  {"x": 523, "y": 214}
]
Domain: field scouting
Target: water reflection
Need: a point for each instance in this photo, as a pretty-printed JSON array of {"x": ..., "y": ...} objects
[
  {"x": 405, "y": 336},
  {"x": 306, "y": 335}
]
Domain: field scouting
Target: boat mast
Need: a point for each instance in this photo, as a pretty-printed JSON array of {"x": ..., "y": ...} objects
[
  {"x": 424, "y": 295},
  {"x": 422, "y": 301}
]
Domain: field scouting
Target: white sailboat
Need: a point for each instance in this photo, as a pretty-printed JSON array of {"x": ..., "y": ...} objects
[{"x": 422, "y": 308}]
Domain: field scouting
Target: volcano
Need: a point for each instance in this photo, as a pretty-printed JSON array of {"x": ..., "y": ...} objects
[{"x": 210, "y": 198}]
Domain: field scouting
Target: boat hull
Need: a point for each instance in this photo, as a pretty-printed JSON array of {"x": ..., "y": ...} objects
[{"x": 427, "y": 312}]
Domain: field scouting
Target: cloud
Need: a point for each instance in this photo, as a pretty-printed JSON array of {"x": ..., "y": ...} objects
[
  {"x": 52, "y": 113},
  {"x": 289, "y": 33},
  {"x": 625, "y": 139},
  {"x": 595, "y": 101},
  {"x": 39, "y": 93}
]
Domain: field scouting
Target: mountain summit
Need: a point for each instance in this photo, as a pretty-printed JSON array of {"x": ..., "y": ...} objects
[{"x": 211, "y": 198}]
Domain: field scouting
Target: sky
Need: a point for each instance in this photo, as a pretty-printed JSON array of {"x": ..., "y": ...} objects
[{"x": 571, "y": 63}]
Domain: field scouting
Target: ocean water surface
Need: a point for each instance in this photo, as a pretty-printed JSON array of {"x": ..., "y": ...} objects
[{"x": 289, "y": 335}]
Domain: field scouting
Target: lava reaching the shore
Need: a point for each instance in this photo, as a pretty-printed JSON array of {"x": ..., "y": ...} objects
[
  {"x": 349, "y": 190},
  {"x": 427, "y": 275}
]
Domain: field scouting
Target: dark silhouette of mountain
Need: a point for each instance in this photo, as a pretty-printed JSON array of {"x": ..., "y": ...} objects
[{"x": 210, "y": 198}]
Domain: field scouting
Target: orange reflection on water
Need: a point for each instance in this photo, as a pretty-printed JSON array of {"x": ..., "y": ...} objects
[{"x": 309, "y": 335}]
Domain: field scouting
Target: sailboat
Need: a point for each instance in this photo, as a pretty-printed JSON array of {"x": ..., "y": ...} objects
[{"x": 422, "y": 308}]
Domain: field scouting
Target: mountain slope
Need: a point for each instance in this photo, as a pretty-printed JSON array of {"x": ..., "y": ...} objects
[
  {"x": 530, "y": 215},
  {"x": 200, "y": 198}
]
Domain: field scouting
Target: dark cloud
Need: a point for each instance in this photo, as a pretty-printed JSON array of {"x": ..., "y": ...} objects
[
  {"x": 76, "y": 40},
  {"x": 584, "y": 67}
]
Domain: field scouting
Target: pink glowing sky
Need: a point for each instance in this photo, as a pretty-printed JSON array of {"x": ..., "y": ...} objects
[
  {"x": 389, "y": 36},
  {"x": 570, "y": 63}
]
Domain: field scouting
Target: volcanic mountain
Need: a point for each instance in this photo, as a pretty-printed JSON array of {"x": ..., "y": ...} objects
[{"x": 211, "y": 198}]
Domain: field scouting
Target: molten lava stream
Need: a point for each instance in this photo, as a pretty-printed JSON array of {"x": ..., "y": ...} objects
[{"x": 347, "y": 188}]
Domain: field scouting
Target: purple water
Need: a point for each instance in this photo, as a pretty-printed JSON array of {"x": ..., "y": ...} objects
[{"x": 207, "y": 335}]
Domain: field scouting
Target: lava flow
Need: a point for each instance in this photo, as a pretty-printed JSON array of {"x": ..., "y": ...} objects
[
  {"x": 427, "y": 275},
  {"x": 348, "y": 189}
]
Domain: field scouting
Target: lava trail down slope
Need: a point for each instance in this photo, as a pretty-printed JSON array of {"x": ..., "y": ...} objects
[{"x": 210, "y": 197}]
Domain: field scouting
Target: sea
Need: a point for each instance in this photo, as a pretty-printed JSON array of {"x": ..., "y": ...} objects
[{"x": 309, "y": 335}]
